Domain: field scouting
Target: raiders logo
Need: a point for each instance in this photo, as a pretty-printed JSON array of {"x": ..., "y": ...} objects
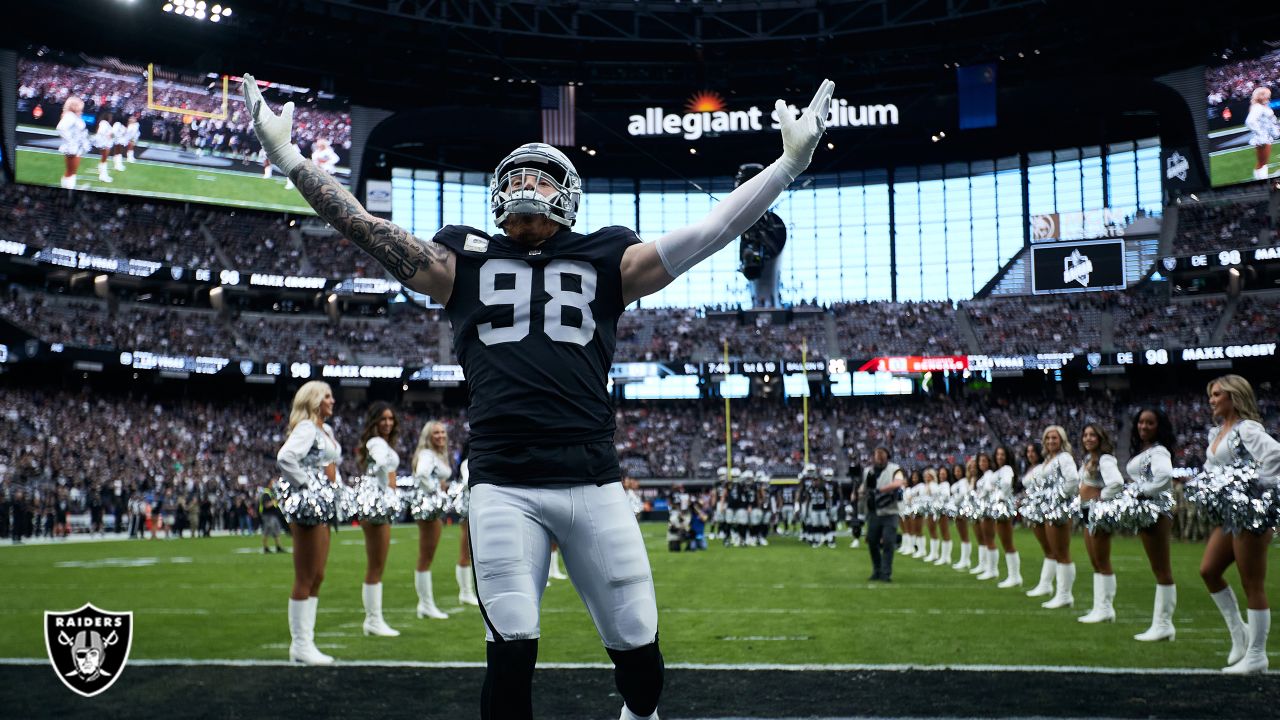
[
  {"x": 1095, "y": 359},
  {"x": 1170, "y": 263},
  {"x": 88, "y": 647}
]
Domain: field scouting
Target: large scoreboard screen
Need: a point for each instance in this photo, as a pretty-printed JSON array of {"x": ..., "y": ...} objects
[{"x": 113, "y": 125}]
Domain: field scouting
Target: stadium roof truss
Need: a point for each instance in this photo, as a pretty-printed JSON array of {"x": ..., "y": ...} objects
[{"x": 692, "y": 22}]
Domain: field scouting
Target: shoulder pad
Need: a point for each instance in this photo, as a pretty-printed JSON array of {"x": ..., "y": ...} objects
[{"x": 463, "y": 239}]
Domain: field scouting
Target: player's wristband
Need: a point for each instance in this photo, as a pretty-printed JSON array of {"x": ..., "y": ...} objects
[{"x": 286, "y": 158}]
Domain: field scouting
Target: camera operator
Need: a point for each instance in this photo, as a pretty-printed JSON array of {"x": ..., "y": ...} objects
[{"x": 882, "y": 485}]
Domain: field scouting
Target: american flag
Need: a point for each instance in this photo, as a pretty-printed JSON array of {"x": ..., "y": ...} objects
[{"x": 557, "y": 115}]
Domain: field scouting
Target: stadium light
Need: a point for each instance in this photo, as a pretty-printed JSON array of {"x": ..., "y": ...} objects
[{"x": 197, "y": 9}]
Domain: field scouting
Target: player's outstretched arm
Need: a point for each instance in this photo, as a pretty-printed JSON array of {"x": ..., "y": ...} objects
[
  {"x": 424, "y": 266},
  {"x": 649, "y": 267}
]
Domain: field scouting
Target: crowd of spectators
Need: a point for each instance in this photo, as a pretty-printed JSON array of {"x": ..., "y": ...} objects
[
  {"x": 1024, "y": 325},
  {"x": 1238, "y": 224},
  {"x": 871, "y": 329},
  {"x": 656, "y": 440},
  {"x": 34, "y": 215},
  {"x": 70, "y": 451},
  {"x": 1256, "y": 320},
  {"x": 255, "y": 241},
  {"x": 1237, "y": 80},
  {"x": 1147, "y": 318}
]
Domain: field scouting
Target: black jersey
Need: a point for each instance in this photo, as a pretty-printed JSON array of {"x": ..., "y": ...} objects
[
  {"x": 787, "y": 493},
  {"x": 535, "y": 331}
]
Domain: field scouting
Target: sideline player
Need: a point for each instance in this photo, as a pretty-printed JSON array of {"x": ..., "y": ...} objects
[{"x": 534, "y": 314}]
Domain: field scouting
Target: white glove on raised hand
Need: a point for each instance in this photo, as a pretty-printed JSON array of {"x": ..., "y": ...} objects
[
  {"x": 273, "y": 130},
  {"x": 800, "y": 136}
]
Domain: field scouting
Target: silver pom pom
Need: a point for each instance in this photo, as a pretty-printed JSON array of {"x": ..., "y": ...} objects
[
  {"x": 1029, "y": 508},
  {"x": 1234, "y": 498},
  {"x": 1129, "y": 511},
  {"x": 428, "y": 505},
  {"x": 460, "y": 499},
  {"x": 1000, "y": 509},
  {"x": 376, "y": 502},
  {"x": 313, "y": 504},
  {"x": 347, "y": 509}
]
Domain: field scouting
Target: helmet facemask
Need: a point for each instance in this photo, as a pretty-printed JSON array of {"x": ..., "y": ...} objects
[{"x": 516, "y": 182}]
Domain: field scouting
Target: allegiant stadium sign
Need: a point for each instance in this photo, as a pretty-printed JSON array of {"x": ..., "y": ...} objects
[{"x": 692, "y": 125}]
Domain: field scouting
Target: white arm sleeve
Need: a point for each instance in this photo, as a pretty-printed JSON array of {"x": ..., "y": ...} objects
[
  {"x": 1161, "y": 472},
  {"x": 295, "y": 448},
  {"x": 1070, "y": 476},
  {"x": 384, "y": 459},
  {"x": 681, "y": 249},
  {"x": 1264, "y": 449},
  {"x": 1112, "y": 480}
]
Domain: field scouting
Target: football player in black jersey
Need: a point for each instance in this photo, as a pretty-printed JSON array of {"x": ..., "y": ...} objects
[{"x": 534, "y": 313}]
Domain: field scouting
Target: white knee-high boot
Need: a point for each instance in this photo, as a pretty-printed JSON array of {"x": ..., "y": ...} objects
[
  {"x": 1255, "y": 657},
  {"x": 302, "y": 626},
  {"x": 426, "y": 596},
  {"x": 934, "y": 549},
  {"x": 966, "y": 549},
  {"x": 991, "y": 571},
  {"x": 980, "y": 566},
  {"x": 1047, "y": 573},
  {"x": 1161, "y": 616},
  {"x": 1066, "y": 573},
  {"x": 373, "y": 622},
  {"x": 944, "y": 555},
  {"x": 1013, "y": 562},
  {"x": 555, "y": 573},
  {"x": 1104, "y": 593},
  {"x": 466, "y": 585},
  {"x": 1225, "y": 599}
]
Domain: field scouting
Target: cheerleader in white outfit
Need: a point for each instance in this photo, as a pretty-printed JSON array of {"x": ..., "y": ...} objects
[
  {"x": 103, "y": 142},
  {"x": 906, "y": 519},
  {"x": 308, "y": 463},
  {"x": 323, "y": 155},
  {"x": 928, "y": 513},
  {"x": 1002, "y": 512},
  {"x": 1240, "y": 438},
  {"x": 943, "y": 510},
  {"x": 962, "y": 490},
  {"x": 132, "y": 133},
  {"x": 379, "y": 506},
  {"x": 460, "y": 493},
  {"x": 1263, "y": 130},
  {"x": 1100, "y": 480},
  {"x": 1151, "y": 443},
  {"x": 431, "y": 472},
  {"x": 1031, "y": 487},
  {"x": 919, "y": 508},
  {"x": 1059, "y": 479},
  {"x": 75, "y": 139},
  {"x": 985, "y": 525},
  {"x": 119, "y": 144}
]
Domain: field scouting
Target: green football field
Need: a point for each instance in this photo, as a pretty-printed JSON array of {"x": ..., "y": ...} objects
[
  {"x": 786, "y": 603},
  {"x": 1236, "y": 166},
  {"x": 165, "y": 180}
]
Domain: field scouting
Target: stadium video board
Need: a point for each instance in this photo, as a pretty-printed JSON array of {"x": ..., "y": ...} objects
[
  {"x": 173, "y": 133},
  {"x": 1243, "y": 96},
  {"x": 1065, "y": 267}
]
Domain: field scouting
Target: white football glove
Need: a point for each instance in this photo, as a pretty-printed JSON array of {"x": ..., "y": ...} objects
[
  {"x": 800, "y": 136},
  {"x": 273, "y": 130}
]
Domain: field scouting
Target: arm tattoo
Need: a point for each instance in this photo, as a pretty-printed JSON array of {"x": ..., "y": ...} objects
[{"x": 400, "y": 253}]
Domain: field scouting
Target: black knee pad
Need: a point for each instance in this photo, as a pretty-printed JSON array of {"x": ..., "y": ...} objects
[
  {"x": 508, "y": 680},
  {"x": 639, "y": 674}
]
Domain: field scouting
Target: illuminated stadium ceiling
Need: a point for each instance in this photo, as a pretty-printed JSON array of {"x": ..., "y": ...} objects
[{"x": 1071, "y": 72}]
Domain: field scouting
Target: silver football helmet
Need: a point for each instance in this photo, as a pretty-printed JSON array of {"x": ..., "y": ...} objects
[{"x": 509, "y": 192}]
